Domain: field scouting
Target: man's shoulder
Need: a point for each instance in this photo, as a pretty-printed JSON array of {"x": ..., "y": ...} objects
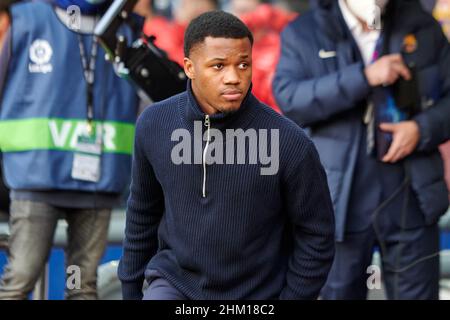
[
  {"x": 276, "y": 119},
  {"x": 293, "y": 143},
  {"x": 25, "y": 13},
  {"x": 301, "y": 24},
  {"x": 165, "y": 109},
  {"x": 31, "y": 5},
  {"x": 288, "y": 129},
  {"x": 302, "y": 31}
]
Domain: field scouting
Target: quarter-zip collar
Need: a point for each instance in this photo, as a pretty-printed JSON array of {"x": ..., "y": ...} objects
[{"x": 241, "y": 118}]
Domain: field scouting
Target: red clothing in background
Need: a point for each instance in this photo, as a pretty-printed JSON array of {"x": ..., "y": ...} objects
[
  {"x": 266, "y": 24},
  {"x": 169, "y": 36}
]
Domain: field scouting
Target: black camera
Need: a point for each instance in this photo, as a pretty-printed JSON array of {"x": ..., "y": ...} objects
[
  {"x": 146, "y": 65},
  {"x": 406, "y": 93},
  {"x": 406, "y": 104}
]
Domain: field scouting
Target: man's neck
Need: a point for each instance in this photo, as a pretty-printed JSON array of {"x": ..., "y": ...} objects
[{"x": 207, "y": 109}]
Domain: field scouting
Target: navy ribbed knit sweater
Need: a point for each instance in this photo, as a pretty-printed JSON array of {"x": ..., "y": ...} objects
[{"x": 232, "y": 233}]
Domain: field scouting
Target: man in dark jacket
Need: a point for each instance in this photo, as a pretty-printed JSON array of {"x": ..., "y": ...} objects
[
  {"x": 337, "y": 73},
  {"x": 202, "y": 227}
]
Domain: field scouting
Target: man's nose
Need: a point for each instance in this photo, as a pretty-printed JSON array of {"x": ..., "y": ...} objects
[{"x": 232, "y": 76}]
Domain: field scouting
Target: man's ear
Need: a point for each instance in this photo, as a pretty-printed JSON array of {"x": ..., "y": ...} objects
[{"x": 189, "y": 68}]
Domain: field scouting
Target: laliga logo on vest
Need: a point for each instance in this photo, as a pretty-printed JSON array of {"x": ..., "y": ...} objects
[{"x": 40, "y": 54}]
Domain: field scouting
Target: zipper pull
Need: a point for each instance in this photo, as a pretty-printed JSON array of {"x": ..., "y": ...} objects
[
  {"x": 208, "y": 139},
  {"x": 208, "y": 126}
]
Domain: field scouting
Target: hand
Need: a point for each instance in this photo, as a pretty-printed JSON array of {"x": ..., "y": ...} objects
[
  {"x": 386, "y": 70},
  {"x": 405, "y": 137}
]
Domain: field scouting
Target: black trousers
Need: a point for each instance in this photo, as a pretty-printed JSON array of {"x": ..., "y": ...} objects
[{"x": 410, "y": 264}]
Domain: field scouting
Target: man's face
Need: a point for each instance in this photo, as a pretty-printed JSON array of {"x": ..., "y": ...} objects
[{"x": 221, "y": 73}]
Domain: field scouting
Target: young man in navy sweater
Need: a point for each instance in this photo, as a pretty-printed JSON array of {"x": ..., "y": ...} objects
[{"x": 228, "y": 198}]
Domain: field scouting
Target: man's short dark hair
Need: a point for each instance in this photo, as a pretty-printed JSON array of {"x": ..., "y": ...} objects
[{"x": 216, "y": 24}]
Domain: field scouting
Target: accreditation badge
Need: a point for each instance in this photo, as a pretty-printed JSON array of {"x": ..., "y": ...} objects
[{"x": 87, "y": 158}]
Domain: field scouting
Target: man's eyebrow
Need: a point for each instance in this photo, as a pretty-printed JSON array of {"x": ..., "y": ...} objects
[
  {"x": 244, "y": 56},
  {"x": 216, "y": 59}
]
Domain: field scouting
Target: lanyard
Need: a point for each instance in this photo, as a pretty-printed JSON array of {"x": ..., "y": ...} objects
[
  {"x": 369, "y": 115},
  {"x": 378, "y": 48},
  {"x": 89, "y": 76}
]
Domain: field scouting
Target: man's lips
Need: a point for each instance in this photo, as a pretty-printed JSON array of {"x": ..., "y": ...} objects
[{"x": 232, "y": 95}]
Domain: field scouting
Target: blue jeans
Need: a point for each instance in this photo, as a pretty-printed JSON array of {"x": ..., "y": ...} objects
[{"x": 32, "y": 228}]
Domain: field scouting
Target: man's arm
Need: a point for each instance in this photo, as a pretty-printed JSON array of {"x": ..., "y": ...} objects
[
  {"x": 144, "y": 212},
  {"x": 308, "y": 203},
  {"x": 306, "y": 99},
  {"x": 430, "y": 128},
  {"x": 434, "y": 123}
]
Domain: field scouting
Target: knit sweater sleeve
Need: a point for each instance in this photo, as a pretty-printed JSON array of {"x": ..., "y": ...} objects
[
  {"x": 310, "y": 210},
  {"x": 144, "y": 211}
]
